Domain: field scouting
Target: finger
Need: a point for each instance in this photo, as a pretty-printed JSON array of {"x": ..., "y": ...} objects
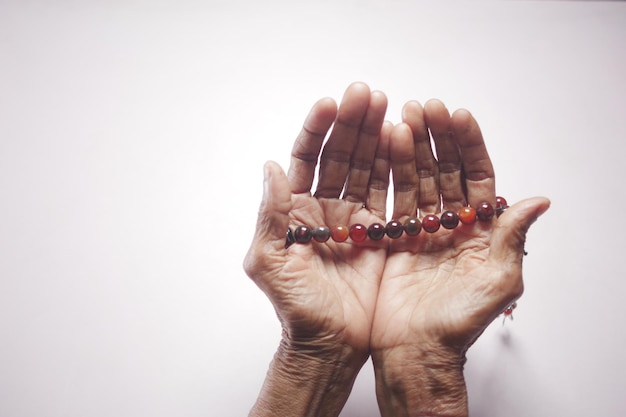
[
  {"x": 272, "y": 221},
  {"x": 406, "y": 182},
  {"x": 477, "y": 167},
  {"x": 335, "y": 159},
  {"x": 509, "y": 235},
  {"x": 437, "y": 119},
  {"x": 306, "y": 149},
  {"x": 379, "y": 180},
  {"x": 363, "y": 156},
  {"x": 425, "y": 163}
]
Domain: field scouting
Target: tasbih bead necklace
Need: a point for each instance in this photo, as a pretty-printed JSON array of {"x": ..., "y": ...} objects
[{"x": 394, "y": 229}]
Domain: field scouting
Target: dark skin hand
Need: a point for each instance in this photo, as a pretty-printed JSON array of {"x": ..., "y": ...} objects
[
  {"x": 324, "y": 293},
  {"x": 440, "y": 291},
  {"x": 415, "y": 304}
]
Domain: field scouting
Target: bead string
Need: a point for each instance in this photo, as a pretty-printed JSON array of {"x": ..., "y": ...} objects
[
  {"x": 508, "y": 312},
  {"x": 394, "y": 229}
]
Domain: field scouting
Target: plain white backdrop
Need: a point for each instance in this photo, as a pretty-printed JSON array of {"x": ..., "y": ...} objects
[{"x": 132, "y": 140}]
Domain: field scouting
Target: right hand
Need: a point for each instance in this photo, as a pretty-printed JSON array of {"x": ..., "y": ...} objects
[{"x": 325, "y": 293}]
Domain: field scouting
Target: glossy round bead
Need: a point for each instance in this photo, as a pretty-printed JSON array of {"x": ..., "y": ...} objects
[
  {"x": 485, "y": 211},
  {"x": 302, "y": 234},
  {"x": 509, "y": 310},
  {"x": 358, "y": 232},
  {"x": 339, "y": 233},
  {"x": 430, "y": 223},
  {"x": 449, "y": 219},
  {"x": 412, "y": 226},
  {"x": 321, "y": 233},
  {"x": 467, "y": 215},
  {"x": 376, "y": 231},
  {"x": 501, "y": 205},
  {"x": 394, "y": 229}
]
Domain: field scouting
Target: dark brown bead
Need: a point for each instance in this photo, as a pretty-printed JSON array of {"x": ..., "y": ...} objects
[
  {"x": 358, "y": 232},
  {"x": 412, "y": 226},
  {"x": 394, "y": 229},
  {"x": 485, "y": 211},
  {"x": 302, "y": 234},
  {"x": 430, "y": 223},
  {"x": 376, "y": 231},
  {"x": 321, "y": 233},
  {"x": 449, "y": 219}
]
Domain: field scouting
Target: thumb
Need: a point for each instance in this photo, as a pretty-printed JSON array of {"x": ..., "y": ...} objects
[
  {"x": 272, "y": 223},
  {"x": 509, "y": 235},
  {"x": 273, "y": 219}
]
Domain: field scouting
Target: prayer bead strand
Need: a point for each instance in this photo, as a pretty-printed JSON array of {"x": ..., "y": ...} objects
[{"x": 394, "y": 229}]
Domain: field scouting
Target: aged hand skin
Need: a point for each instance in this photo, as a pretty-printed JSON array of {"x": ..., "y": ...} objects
[
  {"x": 416, "y": 303},
  {"x": 324, "y": 293},
  {"x": 440, "y": 291}
]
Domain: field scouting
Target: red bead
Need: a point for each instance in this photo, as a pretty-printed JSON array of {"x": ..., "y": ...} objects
[
  {"x": 321, "y": 234},
  {"x": 449, "y": 219},
  {"x": 485, "y": 211},
  {"x": 467, "y": 215},
  {"x": 430, "y": 223},
  {"x": 412, "y": 226},
  {"x": 501, "y": 205},
  {"x": 339, "y": 233},
  {"x": 376, "y": 231},
  {"x": 394, "y": 229},
  {"x": 358, "y": 232},
  {"x": 509, "y": 310}
]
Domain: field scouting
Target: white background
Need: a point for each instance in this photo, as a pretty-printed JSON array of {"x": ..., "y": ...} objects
[{"x": 132, "y": 139}]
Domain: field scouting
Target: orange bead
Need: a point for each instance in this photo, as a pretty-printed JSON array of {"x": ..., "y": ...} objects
[
  {"x": 339, "y": 233},
  {"x": 467, "y": 215}
]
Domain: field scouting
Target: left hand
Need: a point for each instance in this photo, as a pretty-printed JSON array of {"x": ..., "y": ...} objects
[{"x": 440, "y": 291}]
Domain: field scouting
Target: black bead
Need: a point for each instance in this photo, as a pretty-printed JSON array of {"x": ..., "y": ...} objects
[
  {"x": 449, "y": 219},
  {"x": 376, "y": 231},
  {"x": 394, "y": 229}
]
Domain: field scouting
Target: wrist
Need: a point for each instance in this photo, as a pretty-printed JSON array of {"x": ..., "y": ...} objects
[
  {"x": 420, "y": 381},
  {"x": 308, "y": 380}
]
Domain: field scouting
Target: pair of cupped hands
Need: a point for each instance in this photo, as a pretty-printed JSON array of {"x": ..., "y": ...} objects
[{"x": 439, "y": 290}]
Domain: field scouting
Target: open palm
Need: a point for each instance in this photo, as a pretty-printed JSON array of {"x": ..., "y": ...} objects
[
  {"x": 325, "y": 292},
  {"x": 444, "y": 288}
]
